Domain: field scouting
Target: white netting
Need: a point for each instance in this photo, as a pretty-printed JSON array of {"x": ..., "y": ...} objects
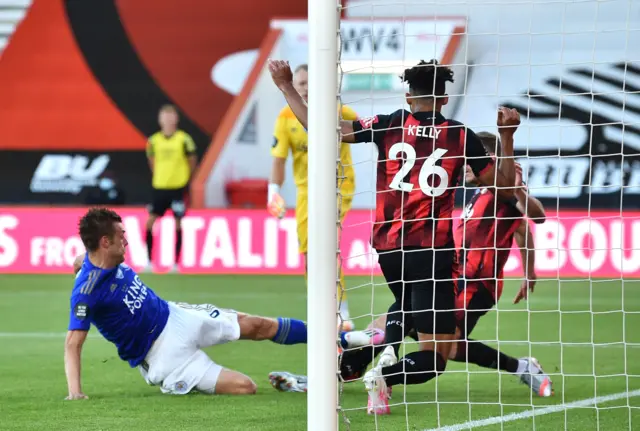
[{"x": 572, "y": 70}]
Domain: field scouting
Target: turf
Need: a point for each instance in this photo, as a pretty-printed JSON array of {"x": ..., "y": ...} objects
[{"x": 585, "y": 334}]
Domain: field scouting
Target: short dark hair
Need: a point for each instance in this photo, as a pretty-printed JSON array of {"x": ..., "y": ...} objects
[
  {"x": 169, "y": 108},
  {"x": 491, "y": 142},
  {"x": 303, "y": 66},
  {"x": 95, "y": 224},
  {"x": 428, "y": 78}
]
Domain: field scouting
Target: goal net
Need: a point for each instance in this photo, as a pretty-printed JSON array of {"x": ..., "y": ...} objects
[{"x": 572, "y": 71}]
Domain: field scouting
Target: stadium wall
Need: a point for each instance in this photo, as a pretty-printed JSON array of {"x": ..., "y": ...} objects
[{"x": 575, "y": 244}]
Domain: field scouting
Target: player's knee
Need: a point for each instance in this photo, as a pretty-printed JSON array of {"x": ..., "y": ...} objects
[
  {"x": 247, "y": 387},
  {"x": 242, "y": 385},
  {"x": 228, "y": 382}
]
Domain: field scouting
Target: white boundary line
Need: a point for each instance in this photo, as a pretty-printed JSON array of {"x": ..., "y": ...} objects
[{"x": 537, "y": 412}]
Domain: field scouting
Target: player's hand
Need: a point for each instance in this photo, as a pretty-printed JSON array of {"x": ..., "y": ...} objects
[
  {"x": 76, "y": 396},
  {"x": 280, "y": 72},
  {"x": 519, "y": 181},
  {"x": 527, "y": 286},
  {"x": 508, "y": 120},
  {"x": 276, "y": 206}
]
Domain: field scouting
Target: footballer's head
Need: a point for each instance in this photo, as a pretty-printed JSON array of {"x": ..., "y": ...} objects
[
  {"x": 427, "y": 85},
  {"x": 102, "y": 234},
  {"x": 492, "y": 145},
  {"x": 168, "y": 118},
  {"x": 301, "y": 81}
]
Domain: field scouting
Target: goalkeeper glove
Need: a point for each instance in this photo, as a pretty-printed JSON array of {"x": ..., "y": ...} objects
[{"x": 275, "y": 205}]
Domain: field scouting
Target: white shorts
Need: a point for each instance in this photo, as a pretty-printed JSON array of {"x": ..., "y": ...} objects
[{"x": 175, "y": 361}]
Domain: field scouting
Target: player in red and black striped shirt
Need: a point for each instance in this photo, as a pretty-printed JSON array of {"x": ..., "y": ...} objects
[
  {"x": 484, "y": 240},
  {"x": 421, "y": 154}
]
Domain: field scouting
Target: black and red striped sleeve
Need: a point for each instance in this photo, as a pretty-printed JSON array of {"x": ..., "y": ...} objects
[
  {"x": 477, "y": 156},
  {"x": 372, "y": 129}
]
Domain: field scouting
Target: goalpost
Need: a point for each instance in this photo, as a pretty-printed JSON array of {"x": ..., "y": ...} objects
[
  {"x": 323, "y": 215},
  {"x": 572, "y": 70}
]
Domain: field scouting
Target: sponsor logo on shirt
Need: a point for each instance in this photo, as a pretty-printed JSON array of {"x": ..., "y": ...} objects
[
  {"x": 135, "y": 295},
  {"x": 367, "y": 122}
]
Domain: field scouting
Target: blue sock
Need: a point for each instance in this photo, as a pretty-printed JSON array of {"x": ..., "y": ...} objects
[
  {"x": 343, "y": 340},
  {"x": 290, "y": 331}
]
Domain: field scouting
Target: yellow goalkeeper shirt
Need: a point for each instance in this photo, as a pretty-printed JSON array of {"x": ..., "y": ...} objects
[{"x": 289, "y": 135}]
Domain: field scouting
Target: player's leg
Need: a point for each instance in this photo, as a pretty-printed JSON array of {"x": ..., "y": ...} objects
[
  {"x": 473, "y": 301},
  {"x": 222, "y": 381},
  {"x": 344, "y": 203},
  {"x": 179, "y": 209},
  {"x": 433, "y": 303},
  {"x": 362, "y": 347},
  {"x": 301, "y": 226},
  {"x": 159, "y": 205},
  {"x": 398, "y": 319}
]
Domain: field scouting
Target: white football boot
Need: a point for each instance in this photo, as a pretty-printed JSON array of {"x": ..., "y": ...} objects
[{"x": 378, "y": 402}]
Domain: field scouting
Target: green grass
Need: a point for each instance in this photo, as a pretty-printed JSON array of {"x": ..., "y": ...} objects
[{"x": 576, "y": 314}]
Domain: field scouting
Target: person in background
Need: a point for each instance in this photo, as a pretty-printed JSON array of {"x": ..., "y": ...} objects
[
  {"x": 172, "y": 159},
  {"x": 291, "y": 136}
]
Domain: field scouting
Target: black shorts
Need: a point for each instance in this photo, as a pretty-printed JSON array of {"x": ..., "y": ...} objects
[
  {"x": 422, "y": 281},
  {"x": 473, "y": 299},
  {"x": 165, "y": 199}
]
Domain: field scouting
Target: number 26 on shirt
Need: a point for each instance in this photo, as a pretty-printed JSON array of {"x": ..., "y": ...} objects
[{"x": 428, "y": 168}]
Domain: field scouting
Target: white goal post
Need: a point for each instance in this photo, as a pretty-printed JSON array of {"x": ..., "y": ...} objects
[{"x": 322, "y": 398}]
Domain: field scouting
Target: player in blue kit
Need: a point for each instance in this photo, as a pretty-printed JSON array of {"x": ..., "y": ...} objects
[{"x": 163, "y": 339}]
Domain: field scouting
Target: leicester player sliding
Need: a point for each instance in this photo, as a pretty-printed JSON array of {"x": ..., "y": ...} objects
[{"x": 163, "y": 339}]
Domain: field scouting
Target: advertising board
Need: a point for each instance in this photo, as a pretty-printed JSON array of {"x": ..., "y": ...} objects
[{"x": 44, "y": 240}]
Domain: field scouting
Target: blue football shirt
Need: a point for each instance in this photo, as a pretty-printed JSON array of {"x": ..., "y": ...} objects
[{"x": 124, "y": 310}]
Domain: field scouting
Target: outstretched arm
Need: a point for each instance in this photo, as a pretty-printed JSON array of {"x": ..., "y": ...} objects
[
  {"x": 527, "y": 204},
  {"x": 283, "y": 78},
  {"x": 72, "y": 359},
  {"x": 524, "y": 240},
  {"x": 504, "y": 176}
]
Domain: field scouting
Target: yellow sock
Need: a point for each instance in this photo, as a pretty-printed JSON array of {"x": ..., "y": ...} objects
[
  {"x": 342, "y": 298},
  {"x": 342, "y": 293}
]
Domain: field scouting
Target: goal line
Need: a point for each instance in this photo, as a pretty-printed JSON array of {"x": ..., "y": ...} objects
[{"x": 587, "y": 402}]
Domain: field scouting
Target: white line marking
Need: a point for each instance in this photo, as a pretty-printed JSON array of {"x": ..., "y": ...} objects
[{"x": 537, "y": 412}]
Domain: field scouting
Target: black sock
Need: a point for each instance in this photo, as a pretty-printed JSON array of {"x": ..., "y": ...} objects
[
  {"x": 178, "y": 244},
  {"x": 354, "y": 363},
  {"x": 150, "y": 245},
  {"x": 415, "y": 368},
  {"x": 478, "y": 353},
  {"x": 397, "y": 327}
]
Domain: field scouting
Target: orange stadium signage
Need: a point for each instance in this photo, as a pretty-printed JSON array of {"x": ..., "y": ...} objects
[{"x": 91, "y": 75}]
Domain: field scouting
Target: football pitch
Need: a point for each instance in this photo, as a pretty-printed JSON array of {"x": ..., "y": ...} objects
[{"x": 585, "y": 334}]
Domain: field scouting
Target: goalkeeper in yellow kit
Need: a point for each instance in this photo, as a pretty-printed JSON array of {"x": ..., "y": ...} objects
[{"x": 290, "y": 136}]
